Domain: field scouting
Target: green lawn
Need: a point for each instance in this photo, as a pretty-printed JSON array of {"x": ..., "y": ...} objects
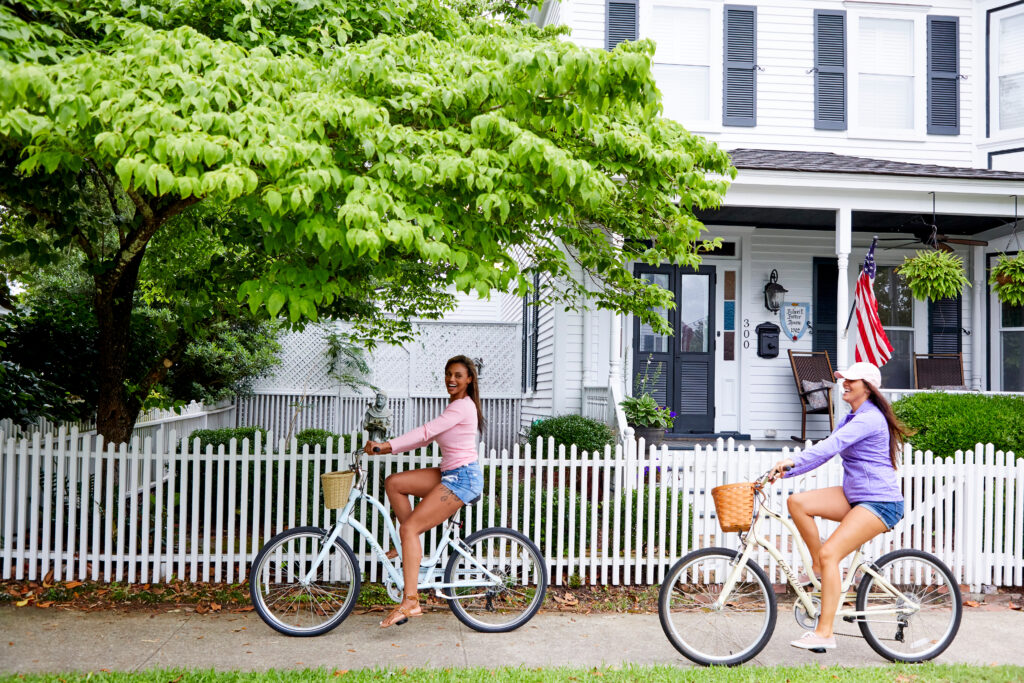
[{"x": 924, "y": 673}]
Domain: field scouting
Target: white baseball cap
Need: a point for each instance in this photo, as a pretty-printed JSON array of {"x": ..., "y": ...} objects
[{"x": 865, "y": 371}]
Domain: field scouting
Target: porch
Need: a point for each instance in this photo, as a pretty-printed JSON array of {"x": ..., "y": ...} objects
[{"x": 810, "y": 218}]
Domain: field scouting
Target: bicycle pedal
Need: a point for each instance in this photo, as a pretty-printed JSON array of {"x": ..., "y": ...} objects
[{"x": 849, "y": 620}]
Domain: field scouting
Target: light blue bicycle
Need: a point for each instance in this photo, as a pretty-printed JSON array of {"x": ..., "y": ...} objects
[{"x": 306, "y": 580}]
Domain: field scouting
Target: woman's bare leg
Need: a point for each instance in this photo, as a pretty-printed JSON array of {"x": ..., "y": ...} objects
[
  {"x": 401, "y": 485},
  {"x": 436, "y": 506},
  {"x": 856, "y": 529},
  {"x": 829, "y": 503}
]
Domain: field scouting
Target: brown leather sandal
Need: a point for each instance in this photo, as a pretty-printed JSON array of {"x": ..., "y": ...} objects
[{"x": 406, "y": 612}]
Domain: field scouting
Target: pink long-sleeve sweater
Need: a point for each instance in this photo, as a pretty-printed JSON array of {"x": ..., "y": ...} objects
[{"x": 454, "y": 431}]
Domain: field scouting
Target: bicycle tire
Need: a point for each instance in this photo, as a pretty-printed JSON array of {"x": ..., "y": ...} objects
[
  {"x": 717, "y": 559},
  {"x": 536, "y": 599},
  {"x": 950, "y": 596},
  {"x": 312, "y": 533}
]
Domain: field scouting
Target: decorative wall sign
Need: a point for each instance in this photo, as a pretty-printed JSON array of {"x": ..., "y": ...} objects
[{"x": 794, "y": 317}]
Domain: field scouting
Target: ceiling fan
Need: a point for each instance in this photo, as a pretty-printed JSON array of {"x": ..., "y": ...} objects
[{"x": 928, "y": 234}]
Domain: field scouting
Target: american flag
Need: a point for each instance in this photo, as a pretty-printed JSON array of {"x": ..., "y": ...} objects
[{"x": 872, "y": 344}]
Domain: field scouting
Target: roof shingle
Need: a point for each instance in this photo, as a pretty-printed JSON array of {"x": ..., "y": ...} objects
[{"x": 828, "y": 162}]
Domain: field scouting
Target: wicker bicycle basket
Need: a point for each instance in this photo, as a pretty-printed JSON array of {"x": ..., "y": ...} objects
[
  {"x": 734, "y": 505},
  {"x": 336, "y": 487}
]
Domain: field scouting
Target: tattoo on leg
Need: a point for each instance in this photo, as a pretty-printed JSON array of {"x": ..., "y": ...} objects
[{"x": 445, "y": 493}]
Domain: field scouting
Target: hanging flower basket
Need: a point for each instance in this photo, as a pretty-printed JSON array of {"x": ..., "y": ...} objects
[
  {"x": 1007, "y": 279},
  {"x": 934, "y": 275}
]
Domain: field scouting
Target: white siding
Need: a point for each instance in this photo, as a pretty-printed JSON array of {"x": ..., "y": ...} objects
[
  {"x": 785, "y": 97},
  {"x": 540, "y": 403}
]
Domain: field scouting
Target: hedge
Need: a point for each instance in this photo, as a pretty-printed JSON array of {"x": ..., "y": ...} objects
[
  {"x": 946, "y": 423},
  {"x": 588, "y": 435}
]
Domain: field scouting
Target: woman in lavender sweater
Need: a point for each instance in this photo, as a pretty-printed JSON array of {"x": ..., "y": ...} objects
[
  {"x": 869, "y": 502},
  {"x": 441, "y": 490}
]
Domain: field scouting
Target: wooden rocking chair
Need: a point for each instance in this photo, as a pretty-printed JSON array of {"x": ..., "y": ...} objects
[{"x": 812, "y": 368}]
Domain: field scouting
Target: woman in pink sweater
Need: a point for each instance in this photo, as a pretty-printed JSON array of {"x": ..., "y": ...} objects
[{"x": 442, "y": 490}]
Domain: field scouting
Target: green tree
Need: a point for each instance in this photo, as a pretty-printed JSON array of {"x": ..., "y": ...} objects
[{"x": 359, "y": 157}]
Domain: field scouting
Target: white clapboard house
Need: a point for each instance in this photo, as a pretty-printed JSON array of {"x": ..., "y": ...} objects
[{"x": 846, "y": 120}]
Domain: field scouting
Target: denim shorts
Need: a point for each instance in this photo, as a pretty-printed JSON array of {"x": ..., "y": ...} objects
[
  {"x": 889, "y": 511},
  {"x": 466, "y": 482}
]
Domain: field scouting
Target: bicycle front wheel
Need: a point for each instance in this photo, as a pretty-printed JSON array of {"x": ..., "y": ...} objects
[
  {"x": 496, "y": 606},
  {"x": 704, "y": 631},
  {"x": 280, "y": 594},
  {"x": 920, "y": 621}
]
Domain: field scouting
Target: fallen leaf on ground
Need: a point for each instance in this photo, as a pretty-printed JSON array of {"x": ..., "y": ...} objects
[
  {"x": 21, "y": 603},
  {"x": 1015, "y": 605},
  {"x": 72, "y": 584},
  {"x": 48, "y": 579},
  {"x": 972, "y": 603},
  {"x": 214, "y": 607},
  {"x": 44, "y": 604},
  {"x": 340, "y": 672},
  {"x": 243, "y": 609}
]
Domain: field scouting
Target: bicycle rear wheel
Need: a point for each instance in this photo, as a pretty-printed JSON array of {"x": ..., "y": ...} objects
[
  {"x": 490, "y": 607},
  {"x": 281, "y": 599},
  {"x": 927, "y": 586},
  {"x": 724, "y": 636}
]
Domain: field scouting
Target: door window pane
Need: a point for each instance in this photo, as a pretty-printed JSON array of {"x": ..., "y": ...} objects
[
  {"x": 650, "y": 341},
  {"x": 694, "y": 316},
  {"x": 1013, "y": 361},
  {"x": 898, "y": 373}
]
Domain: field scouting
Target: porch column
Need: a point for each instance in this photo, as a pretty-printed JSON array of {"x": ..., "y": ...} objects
[
  {"x": 979, "y": 334},
  {"x": 844, "y": 230},
  {"x": 615, "y": 374}
]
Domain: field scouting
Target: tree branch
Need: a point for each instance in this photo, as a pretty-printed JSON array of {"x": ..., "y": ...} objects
[
  {"x": 110, "y": 196},
  {"x": 167, "y": 360},
  {"x": 135, "y": 242}
]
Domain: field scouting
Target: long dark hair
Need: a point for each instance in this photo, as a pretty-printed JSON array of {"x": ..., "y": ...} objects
[
  {"x": 898, "y": 432},
  {"x": 473, "y": 389}
]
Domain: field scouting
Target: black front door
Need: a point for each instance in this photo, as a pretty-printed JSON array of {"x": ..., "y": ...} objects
[{"x": 679, "y": 370}]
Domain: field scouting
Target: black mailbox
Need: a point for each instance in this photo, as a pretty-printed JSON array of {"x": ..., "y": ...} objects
[{"x": 767, "y": 340}]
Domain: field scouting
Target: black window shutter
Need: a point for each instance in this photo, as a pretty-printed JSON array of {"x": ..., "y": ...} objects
[
  {"x": 739, "y": 91},
  {"x": 829, "y": 69},
  {"x": 526, "y": 337},
  {"x": 620, "y": 22},
  {"x": 943, "y": 75},
  {"x": 944, "y": 325},
  {"x": 535, "y": 332}
]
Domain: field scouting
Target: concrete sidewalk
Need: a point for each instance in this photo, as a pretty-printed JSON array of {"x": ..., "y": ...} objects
[{"x": 37, "y": 640}]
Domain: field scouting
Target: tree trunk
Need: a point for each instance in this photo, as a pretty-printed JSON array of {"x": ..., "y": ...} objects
[{"x": 117, "y": 408}]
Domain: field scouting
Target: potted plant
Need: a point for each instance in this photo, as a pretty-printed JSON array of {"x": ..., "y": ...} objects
[
  {"x": 648, "y": 420},
  {"x": 1007, "y": 279},
  {"x": 934, "y": 274}
]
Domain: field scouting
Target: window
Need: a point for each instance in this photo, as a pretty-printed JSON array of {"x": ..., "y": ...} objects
[
  {"x": 896, "y": 311},
  {"x": 1010, "y": 71},
  {"x": 886, "y": 73},
  {"x": 682, "y": 62},
  {"x": 531, "y": 319},
  {"x": 1012, "y": 341}
]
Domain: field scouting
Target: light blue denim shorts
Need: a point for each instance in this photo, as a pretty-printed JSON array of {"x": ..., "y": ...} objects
[
  {"x": 466, "y": 482},
  {"x": 889, "y": 511}
]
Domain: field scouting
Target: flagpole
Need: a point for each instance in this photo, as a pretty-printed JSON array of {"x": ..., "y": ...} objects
[{"x": 849, "y": 319}]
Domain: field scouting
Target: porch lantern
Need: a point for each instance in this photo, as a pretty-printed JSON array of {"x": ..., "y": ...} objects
[{"x": 773, "y": 292}]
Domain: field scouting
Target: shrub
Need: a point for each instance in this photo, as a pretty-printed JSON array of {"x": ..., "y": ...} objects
[
  {"x": 222, "y": 437},
  {"x": 946, "y": 423},
  {"x": 318, "y": 437},
  {"x": 588, "y": 435}
]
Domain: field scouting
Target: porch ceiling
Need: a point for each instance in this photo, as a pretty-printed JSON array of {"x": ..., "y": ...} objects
[{"x": 863, "y": 221}]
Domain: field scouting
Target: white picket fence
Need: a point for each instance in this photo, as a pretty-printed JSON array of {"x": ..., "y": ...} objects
[{"x": 85, "y": 510}]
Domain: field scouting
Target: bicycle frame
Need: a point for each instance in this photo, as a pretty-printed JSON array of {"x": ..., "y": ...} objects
[
  {"x": 426, "y": 581},
  {"x": 753, "y": 538}
]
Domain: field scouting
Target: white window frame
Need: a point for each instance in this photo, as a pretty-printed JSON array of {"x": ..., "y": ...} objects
[
  {"x": 918, "y": 15},
  {"x": 715, "y": 10},
  {"x": 995, "y": 133}
]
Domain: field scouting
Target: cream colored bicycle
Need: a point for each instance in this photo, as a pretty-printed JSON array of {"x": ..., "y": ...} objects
[{"x": 717, "y": 606}]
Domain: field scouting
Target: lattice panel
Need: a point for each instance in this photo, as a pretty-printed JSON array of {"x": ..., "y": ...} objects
[
  {"x": 496, "y": 349},
  {"x": 303, "y": 365},
  {"x": 416, "y": 369}
]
